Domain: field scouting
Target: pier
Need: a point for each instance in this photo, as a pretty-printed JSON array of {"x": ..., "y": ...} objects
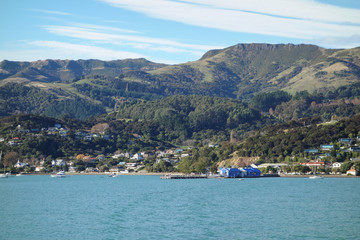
[{"x": 173, "y": 176}]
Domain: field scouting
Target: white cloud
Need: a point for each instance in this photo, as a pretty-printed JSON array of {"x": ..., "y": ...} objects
[
  {"x": 337, "y": 42},
  {"x": 51, "y": 12},
  {"x": 123, "y": 39},
  {"x": 86, "y": 51},
  {"x": 304, "y": 19},
  {"x": 61, "y": 50},
  {"x": 103, "y": 28},
  {"x": 300, "y": 9}
]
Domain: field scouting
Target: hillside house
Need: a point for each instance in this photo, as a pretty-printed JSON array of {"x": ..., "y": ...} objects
[
  {"x": 347, "y": 141},
  {"x": 352, "y": 171},
  {"x": 313, "y": 151},
  {"x": 41, "y": 169},
  {"x": 137, "y": 157},
  {"x": 326, "y": 147},
  {"x": 336, "y": 165},
  {"x": 59, "y": 163},
  {"x": 20, "y": 164}
]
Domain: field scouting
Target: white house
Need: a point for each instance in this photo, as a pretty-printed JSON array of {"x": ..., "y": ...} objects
[
  {"x": 352, "y": 171},
  {"x": 39, "y": 168},
  {"x": 59, "y": 163},
  {"x": 137, "y": 157},
  {"x": 20, "y": 164},
  {"x": 336, "y": 165}
]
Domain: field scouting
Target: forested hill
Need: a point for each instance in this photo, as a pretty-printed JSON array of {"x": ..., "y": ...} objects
[{"x": 86, "y": 88}]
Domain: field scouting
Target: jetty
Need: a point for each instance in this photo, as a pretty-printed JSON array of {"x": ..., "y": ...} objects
[{"x": 176, "y": 176}]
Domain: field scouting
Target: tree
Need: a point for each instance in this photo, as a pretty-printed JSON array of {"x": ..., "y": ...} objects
[
  {"x": 10, "y": 159},
  {"x": 345, "y": 167}
]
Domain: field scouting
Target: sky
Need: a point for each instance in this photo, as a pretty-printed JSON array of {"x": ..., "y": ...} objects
[{"x": 168, "y": 31}]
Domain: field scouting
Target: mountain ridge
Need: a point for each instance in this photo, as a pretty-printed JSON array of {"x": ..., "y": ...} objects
[{"x": 240, "y": 72}]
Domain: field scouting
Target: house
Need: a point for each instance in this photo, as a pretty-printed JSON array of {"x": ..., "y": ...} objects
[
  {"x": 231, "y": 173},
  {"x": 20, "y": 164},
  {"x": 348, "y": 141},
  {"x": 88, "y": 138},
  {"x": 72, "y": 169},
  {"x": 137, "y": 136},
  {"x": 252, "y": 172},
  {"x": 89, "y": 159},
  {"x": 276, "y": 166},
  {"x": 63, "y": 132},
  {"x": 91, "y": 169},
  {"x": 41, "y": 169},
  {"x": 105, "y": 137},
  {"x": 59, "y": 163},
  {"x": 336, "y": 165},
  {"x": 354, "y": 149},
  {"x": 313, "y": 164},
  {"x": 114, "y": 169},
  {"x": 326, "y": 147},
  {"x": 213, "y": 145},
  {"x": 137, "y": 157},
  {"x": 131, "y": 165},
  {"x": 100, "y": 157},
  {"x": 352, "y": 171},
  {"x": 313, "y": 151}
]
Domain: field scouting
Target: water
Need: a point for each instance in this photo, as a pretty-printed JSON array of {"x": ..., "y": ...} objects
[{"x": 146, "y": 207}]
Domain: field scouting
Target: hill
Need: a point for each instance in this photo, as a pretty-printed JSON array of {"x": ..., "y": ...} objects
[{"x": 242, "y": 71}]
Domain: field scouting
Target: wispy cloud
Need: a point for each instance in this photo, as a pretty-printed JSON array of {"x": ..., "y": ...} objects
[
  {"x": 337, "y": 42},
  {"x": 96, "y": 34},
  {"x": 50, "y": 12},
  {"x": 85, "y": 51},
  {"x": 303, "y": 19}
]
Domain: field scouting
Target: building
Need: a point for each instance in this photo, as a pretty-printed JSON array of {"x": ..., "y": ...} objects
[
  {"x": 137, "y": 157},
  {"x": 313, "y": 151},
  {"x": 59, "y": 163},
  {"x": 231, "y": 173},
  {"x": 352, "y": 171},
  {"x": 336, "y": 165},
  {"x": 348, "y": 141},
  {"x": 314, "y": 164},
  {"x": 20, "y": 164},
  {"x": 252, "y": 172},
  {"x": 326, "y": 147}
]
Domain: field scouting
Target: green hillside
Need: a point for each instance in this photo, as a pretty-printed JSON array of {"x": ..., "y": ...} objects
[{"x": 238, "y": 72}]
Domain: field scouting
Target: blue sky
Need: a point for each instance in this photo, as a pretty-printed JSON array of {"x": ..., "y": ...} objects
[{"x": 168, "y": 31}]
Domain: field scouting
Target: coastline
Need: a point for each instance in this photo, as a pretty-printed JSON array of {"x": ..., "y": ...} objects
[{"x": 178, "y": 173}]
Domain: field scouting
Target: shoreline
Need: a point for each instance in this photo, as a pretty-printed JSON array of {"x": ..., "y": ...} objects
[{"x": 177, "y": 173}]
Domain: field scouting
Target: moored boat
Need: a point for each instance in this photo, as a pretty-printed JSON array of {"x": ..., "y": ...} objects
[
  {"x": 60, "y": 174},
  {"x": 316, "y": 177}
]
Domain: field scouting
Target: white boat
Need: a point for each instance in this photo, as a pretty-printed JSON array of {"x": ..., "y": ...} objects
[
  {"x": 60, "y": 174},
  {"x": 113, "y": 175},
  {"x": 315, "y": 177}
]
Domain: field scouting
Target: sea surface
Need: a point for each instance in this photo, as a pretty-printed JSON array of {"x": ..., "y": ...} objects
[{"x": 147, "y": 207}]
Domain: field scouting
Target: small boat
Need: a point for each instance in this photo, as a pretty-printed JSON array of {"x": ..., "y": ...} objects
[
  {"x": 316, "y": 177},
  {"x": 19, "y": 174},
  {"x": 113, "y": 175},
  {"x": 3, "y": 175},
  {"x": 60, "y": 174}
]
